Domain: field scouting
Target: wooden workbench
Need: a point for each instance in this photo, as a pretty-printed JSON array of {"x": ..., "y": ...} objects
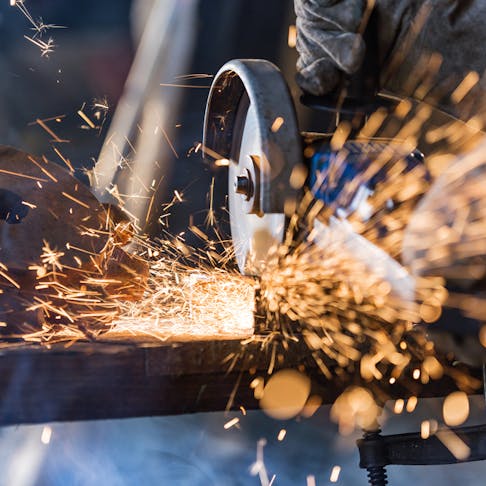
[{"x": 115, "y": 379}]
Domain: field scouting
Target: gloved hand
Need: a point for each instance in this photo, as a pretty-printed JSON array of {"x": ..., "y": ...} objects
[
  {"x": 327, "y": 42},
  {"x": 406, "y": 33}
]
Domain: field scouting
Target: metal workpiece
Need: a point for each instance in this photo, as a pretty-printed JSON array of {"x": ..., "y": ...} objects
[
  {"x": 58, "y": 244},
  {"x": 42, "y": 204}
]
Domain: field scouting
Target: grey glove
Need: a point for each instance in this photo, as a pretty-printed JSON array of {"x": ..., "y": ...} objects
[
  {"x": 327, "y": 42},
  {"x": 406, "y": 31}
]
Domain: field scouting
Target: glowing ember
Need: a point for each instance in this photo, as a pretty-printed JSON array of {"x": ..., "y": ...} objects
[
  {"x": 231, "y": 423},
  {"x": 399, "y": 404},
  {"x": 458, "y": 448},
  {"x": 411, "y": 404},
  {"x": 292, "y": 36},
  {"x": 336, "y": 470},
  {"x": 46, "y": 435},
  {"x": 455, "y": 409},
  {"x": 428, "y": 428},
  {"x": 355, "y": 408},
  {"x": 311, "y": 480},
  {"x": 425, "y": 429},
  {"x": 285, "y": 394},
  {"x": 277, "y": 124}
]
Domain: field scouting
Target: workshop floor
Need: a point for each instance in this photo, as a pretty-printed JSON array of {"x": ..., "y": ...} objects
[{"x": 196, "y": 450}]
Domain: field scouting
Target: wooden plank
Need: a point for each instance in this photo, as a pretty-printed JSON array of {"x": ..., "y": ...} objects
[
  {"x": 92, "y": 381},
  {"x": 114, "y": 380}
]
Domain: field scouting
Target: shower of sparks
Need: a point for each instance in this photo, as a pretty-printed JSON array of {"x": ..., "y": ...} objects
[
  {"x": 347, "y": 315},
  {"x": 352, "y": 315},
  {"x": 39, "y": 27},
  {"x": 188, "y": 293},
  {"x": 315, "y": 288},
  {"x": 183, "y": 301}
]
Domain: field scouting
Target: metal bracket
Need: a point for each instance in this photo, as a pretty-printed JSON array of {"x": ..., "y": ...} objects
[{"x": 377, "y": 451}]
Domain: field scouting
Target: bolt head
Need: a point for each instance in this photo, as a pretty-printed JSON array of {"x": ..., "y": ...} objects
[{"x": 244, "y": 186}]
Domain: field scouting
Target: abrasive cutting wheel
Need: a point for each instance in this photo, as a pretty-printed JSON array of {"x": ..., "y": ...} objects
[{"x": 250, "y": 120}]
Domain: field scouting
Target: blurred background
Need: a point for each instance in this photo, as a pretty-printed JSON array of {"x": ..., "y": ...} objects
[{"x": 156, "y": 127}]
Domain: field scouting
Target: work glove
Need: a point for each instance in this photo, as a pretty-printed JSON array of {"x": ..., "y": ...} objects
[
  {"x": 405, "y": 34},
  {"x": 327, "y": 42}
]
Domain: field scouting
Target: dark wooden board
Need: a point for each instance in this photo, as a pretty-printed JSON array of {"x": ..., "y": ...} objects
[{"x": 114, "y": 380}]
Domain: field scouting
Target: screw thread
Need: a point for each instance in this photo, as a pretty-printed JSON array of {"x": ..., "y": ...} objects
[{"x": 377, "y": 476}]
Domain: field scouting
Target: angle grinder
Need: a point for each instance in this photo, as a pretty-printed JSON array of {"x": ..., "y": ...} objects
[{"x": 251, "y": 121}]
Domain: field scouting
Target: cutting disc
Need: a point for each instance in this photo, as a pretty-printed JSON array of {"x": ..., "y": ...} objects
[{"x": 250, "y": 120}]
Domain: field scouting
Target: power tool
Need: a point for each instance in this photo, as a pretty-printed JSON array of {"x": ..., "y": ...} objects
[{"x": 251, "y": 122}]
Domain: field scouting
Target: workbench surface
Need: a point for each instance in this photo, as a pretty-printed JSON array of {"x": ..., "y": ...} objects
[{"x": 116, "y": 379}]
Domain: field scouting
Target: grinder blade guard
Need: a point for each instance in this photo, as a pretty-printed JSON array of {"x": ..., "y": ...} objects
[{"x": 250, "y": 120}]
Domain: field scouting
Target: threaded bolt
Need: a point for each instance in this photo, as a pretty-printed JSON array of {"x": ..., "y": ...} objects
[{"x": 376, "y": 474}]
